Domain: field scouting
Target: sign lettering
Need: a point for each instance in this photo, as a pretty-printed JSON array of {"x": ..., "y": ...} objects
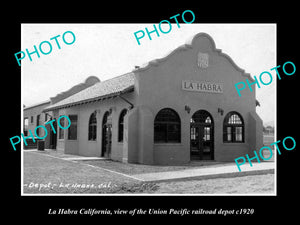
[{"x": 202, "y": 86}]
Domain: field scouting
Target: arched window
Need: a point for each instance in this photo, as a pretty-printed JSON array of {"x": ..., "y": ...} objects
[
  {"x": 205, "y": 119},
  {"x": 93, "y": 127},
  {"x": 201, "y": 116},
  {"x": 121, "y": 125},
  {"x": 167, "y": 128},
  {"x": 233, "y": 128}
]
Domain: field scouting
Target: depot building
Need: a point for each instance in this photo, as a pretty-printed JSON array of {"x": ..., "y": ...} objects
[{"x": 172, "y": 110}]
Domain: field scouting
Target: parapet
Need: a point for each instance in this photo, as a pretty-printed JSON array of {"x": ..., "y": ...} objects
[{"x": 90, "y": 81}]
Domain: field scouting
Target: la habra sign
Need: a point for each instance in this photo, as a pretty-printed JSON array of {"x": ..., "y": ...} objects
[{"x": 201, "y": 86}]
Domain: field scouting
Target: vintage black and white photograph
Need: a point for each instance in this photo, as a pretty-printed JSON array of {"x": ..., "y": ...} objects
[{"x": 171, "y": 108}]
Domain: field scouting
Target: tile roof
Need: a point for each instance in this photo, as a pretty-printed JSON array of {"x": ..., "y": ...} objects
[
  {"x": 37, "y": 104},
  {"x": 100, "y": 90}
]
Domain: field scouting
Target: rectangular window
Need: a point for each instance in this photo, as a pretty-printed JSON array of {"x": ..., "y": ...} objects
[
  {"x": 228, "y": 134},
  {"x": 165, "y": 133},
  {"x": 92, "y": 132},
  {"x": 206, "y": 133},
  {"x": 238, "y": 134},
  {"x": 160, "y": 131},
  {"x": 31, "y": 119},
  {"x": 25, "y": 127},
  {"x": 61, "y": 132},
  {"x": 233, "y": 134},
  {"x": 193, "y": 133},
  {"x": 173, "y": 133},
  {"x": 72, "y": 132}
]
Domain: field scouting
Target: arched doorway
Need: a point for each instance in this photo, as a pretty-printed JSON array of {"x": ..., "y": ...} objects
[
  {"x": 202, "y": 136},
  {"x": 106, "y": 135}
]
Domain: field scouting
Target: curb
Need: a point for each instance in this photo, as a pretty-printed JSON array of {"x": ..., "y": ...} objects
[{"x": 211, "y": 176}]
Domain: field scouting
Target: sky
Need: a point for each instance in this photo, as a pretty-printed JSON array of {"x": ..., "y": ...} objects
[{"x": 109, "y": 50}]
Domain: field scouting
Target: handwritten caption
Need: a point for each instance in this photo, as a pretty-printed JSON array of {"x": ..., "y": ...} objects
[{"x": 74, "y": 186}]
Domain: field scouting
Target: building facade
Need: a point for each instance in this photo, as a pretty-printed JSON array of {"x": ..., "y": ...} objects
[
  {"x": 172, "y": 110},
  {"x": 34, "y": 116}
]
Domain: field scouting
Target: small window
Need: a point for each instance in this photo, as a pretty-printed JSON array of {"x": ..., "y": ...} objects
[
  {"x": 208, "y": 119},
  {"x": 207, "y": 132},
  {"x": 25, "y": 126},
  {"x": 93, "y": 127},
  {"x": 72, "y": 132},
  {"x": 121, "y": 125},
  {"x": 31, "y": 119},
  {"x": 233, "y": 128},
  {"x": 167, "y": 127}
]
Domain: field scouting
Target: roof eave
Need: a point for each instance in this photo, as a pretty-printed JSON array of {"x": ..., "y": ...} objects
[{"x": 85, "y": 101}]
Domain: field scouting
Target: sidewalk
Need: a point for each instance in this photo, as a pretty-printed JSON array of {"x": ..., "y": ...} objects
[
  {"x": 209, "y": 172},
  {"x": 145, "y": 173}
]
